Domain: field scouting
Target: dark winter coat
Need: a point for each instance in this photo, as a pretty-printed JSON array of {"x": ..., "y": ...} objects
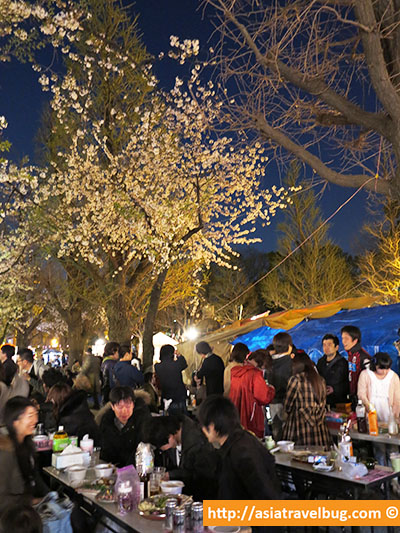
[
  {"x": 77, "y": 418},
  {"x": 279, "y": 376},
  {"x": 106, "y": 376},
  {"x": 126, "y": 375},
  {"x": 212, "y": 370},
  {"x": 118, "y": 446},
  {"x": 336, "y": 375},
  {"x": 305, "y": 424},
  {"x": 10, "y": 368},
  {"x": 198, "y": 464},
  {"x": 247, "y": 469},
  {"x": 169, "y": 374}
]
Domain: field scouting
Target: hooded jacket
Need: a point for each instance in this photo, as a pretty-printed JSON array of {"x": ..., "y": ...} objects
[{"x": 250, "y": 393}]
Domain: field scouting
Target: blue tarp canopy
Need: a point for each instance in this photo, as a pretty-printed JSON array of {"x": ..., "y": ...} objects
[{"x": 378, "y": 327}]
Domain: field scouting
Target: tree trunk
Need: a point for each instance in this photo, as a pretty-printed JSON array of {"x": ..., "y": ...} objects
[
  {"x": 148, "y": 348},
  {"x": 22, "y": 338},
  {"x": 119, "y": 320},
  {"x": 76, "y": 337}
]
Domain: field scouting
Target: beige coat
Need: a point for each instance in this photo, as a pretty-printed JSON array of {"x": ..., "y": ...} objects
[
  {"x": 364, "y": 391},
  {"x": 227, "y": 377}
]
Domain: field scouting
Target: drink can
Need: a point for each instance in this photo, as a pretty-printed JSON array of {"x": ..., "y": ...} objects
[
  {"x": 179, "y": 520},
  {"x": 188, "y": 515},
  {"x": 197, "y": 516},
  {"x": 170, "y": 505},
  {"x": 74, "y": 440}
]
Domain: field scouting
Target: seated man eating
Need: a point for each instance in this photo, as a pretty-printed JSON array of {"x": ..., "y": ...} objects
[
  {"x": 187, "y": 455},
  {"x": 123, "y": 427}
]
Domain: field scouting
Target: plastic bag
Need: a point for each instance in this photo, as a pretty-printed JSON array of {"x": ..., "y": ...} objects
[
  {"x": 353, "y": 470},
  {"x": 129, "y": 475},
  {"x": 55, "y": 512}
]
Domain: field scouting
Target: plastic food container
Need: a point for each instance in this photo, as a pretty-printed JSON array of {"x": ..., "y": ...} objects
[
  {"x": 171, "y": 487},
  {"x": 286, "y": 445},
  {"x": 104, "y": 470},
  {"x": 76, "y": 473}
]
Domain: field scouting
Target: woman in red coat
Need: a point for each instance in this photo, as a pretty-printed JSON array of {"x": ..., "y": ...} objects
[{"x": 250, "y": 393}]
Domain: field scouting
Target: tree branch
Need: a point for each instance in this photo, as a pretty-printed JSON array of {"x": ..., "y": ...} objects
[
  {"x": 380, "y": 78},
  {"x": 344, "y": 180},
  {"x": 312, "y": 85}
]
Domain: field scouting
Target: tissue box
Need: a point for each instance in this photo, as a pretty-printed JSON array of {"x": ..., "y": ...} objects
[{"x": 61, "y": 461}]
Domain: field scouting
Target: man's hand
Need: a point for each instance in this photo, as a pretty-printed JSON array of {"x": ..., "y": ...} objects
[
  {"x": 329, "y": 390},
  {"x": 197, "y": 381},
  {"x": 26, "y": 376}
]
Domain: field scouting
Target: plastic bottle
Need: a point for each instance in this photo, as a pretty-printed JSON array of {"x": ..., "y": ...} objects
[
  {"x": 393, "y": 428},
  {"x": 372, "y": 420},
  {"x": 345, "y": 445},
  {"x": 60, "y": 440},
  {"x": 144, "y": 458},
  {"x": 361, "y": 419}
]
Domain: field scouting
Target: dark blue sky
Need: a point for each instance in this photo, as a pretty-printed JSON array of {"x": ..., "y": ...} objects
[{"x": 21, "y": 101}]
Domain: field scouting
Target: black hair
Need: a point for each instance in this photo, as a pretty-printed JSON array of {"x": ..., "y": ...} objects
[
  {"x": 121, "y": 393},
  {"x": 21, "y": 518},
  {"x": 381, "y": 360},
  {"x": 239, "y": 353},
  {"x": 8, "y": 349},
  {"x": 260, "y": 357},
  {"x": 89, "y": 350},
  {"x": 167, "y": 352},
  {"x": 52, "y": 376},
  {"x": 221, "y": 412},
  {"x": 110, "y": 348},
  {"x": 26, "y": 354},
  {"x": 25, "y": 451},
  {"x": 161, "y": 427},
  {"x": 123, "y": 350},
  {"x": 203, "y": 347},
  {"x": 353, "y": 331},
  {"x": 281, "y": 342},
  {"x": 330, "y": 336},
  {"x": 147, "y": 377}
]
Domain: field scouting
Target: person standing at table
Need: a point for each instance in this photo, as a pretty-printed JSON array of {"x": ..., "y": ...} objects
[
  {"x": 110, "y": 358},
  {"x": 169, "y": 375},
  {"x": 238, "y": 356},
  {"x": 278, "y": 376},
  {"x": 91, "y": 369},
  {"x": 305, "y": 405},
  {"x": 212, "y": 369},
  {"x": 335, "y": 371},
  {"x": 250, "y": 393},
  {"x": 380, "y": 386},
  {"x": 358, "y": 358}
]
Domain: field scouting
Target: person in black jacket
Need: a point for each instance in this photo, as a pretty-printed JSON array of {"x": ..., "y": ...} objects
[
  {"x": 124, "y": 374},
  {"x": 6, "y": 353},
  {"x": 123, "y": 427},
  {"x": 72, "y": 411},
  {"x": 279, "y": 376},
  {"x": 247, "y": 469},
  {"x": 212, "y": 369},
  {"x": 334, "y": 369},
  {"x": 169, "y": 375},
  {"x": 186, "y": 454}
]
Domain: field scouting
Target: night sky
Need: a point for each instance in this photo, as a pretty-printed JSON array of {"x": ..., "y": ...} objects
[{"x": 22, "y": 100}]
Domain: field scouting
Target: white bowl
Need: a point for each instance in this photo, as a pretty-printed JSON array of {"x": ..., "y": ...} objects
[
  {"x": 285, "y": 445},
  {"x": 171, "y": 487},
  {"x": 104, "y": 470},
  {"x": 76, "y": 473}
]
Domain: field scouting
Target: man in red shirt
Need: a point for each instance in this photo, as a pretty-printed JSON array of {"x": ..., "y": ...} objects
[{"x": 358, "y": 358}]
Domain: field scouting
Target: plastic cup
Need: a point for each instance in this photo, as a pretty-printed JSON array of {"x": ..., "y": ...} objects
[{"x": 395, "y": 460}]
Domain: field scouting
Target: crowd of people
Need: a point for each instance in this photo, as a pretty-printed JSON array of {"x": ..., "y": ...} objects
[{"x": 219, "y": 453}]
